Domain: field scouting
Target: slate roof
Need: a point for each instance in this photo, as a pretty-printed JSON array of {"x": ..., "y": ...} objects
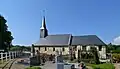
[
  {"x": 68, "y": 39},
  {"x": 56, "y": 40},
  {"x": 87, "y": 40}
]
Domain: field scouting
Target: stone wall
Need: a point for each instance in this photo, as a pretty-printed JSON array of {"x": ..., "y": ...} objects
[
  {"x": 49, "y": 50},
  {"x": 101, "y": 53}
]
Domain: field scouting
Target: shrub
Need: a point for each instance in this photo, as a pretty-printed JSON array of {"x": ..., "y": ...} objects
[
  {"x": 33, "y": 68},
  {"x": 66, "y": 57},
  {"x": 74, "y": 61},
  {"x": 96, "y": 57},
  {"x": 116, "y": 57}
]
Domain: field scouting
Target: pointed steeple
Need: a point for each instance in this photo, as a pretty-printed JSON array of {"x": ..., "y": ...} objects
[
  {"x": 43, "y": 23},
  {"x": 43, "y": 29}
]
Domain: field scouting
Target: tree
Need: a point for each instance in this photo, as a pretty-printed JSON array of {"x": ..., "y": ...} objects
[
  {"x": 5, "y": 35},
  {"x": 95, "y": 53},
  {"x": 110, "y": 47},
  {"x": 20, "y": 48},
  {"x": 15, "y": 48}
]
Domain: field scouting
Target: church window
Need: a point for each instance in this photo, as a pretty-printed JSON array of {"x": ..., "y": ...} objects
[
  {"x": 45, "y": 49},
  {"x": 63, "y": 49},
  {"x": 75, "y": 48},
  {"x": 39, "y": 48},
  {"x": 100, "y": 48},
  {"x": 53, "y": 48},
  {"x": 84, "y": 48}
]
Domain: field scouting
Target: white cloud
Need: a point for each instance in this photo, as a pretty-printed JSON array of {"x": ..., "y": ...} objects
[{"x": 116, "y": 41}]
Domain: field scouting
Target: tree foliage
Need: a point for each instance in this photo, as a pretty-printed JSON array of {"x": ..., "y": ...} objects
[
  {"x": 113, "y": 48},
  {"x": 20, "y": 48},
  {"x": 95, "y": 53},
  {"x": 5, "y": 34}
]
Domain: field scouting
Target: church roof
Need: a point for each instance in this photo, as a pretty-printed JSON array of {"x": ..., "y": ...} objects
[
  {"x": 86, "y": 40},
  {"x": 68, "y": 39},
  {"x": 54, "y": 40}
]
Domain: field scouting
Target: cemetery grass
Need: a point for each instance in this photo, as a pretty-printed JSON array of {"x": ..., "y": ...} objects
[
  {"x": 102, "y": 66},
  {"x": 4, "y": 61},
  {"x": 34, "y": 67}
]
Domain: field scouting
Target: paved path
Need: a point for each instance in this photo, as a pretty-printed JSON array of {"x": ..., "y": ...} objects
[
  {"x": 117, "y": 65},
  {"x": 49, "y": 65}
]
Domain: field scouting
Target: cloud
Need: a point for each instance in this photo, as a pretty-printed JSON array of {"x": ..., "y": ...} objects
[{"x": 116, "y": 41}]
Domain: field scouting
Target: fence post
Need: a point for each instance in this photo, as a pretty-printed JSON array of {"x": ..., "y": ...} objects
[
  {"x": 9, "y": 55},
  {"x": 2, "y": 57},
  {"x": 12, "y": 55},
  {"x": 15, "y": 54},
  {"x": 6, "y": 56}
]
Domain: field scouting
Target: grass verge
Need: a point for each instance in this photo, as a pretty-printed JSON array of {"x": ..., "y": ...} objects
[
  {"x": 34, "y": 67},
  {"x": 102, "y": 66}
]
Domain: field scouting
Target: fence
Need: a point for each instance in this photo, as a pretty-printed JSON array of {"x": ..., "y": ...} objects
[{"x": 9, "y": 55}]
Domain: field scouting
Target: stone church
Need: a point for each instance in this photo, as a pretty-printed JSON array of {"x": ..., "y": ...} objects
[{"x": 50, "y": 43}]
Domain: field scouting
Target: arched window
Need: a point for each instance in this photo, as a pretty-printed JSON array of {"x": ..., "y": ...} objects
[
  {"x": 39, "y": 48},
  {"x": 63, "y": 49},
  {"x": 53, "y": 48},
  {"x": 45, "y": 49},
  {"x": 100, "y": 48}
]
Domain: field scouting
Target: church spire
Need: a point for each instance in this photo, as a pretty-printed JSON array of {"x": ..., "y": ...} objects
[
  {"x": 43, "y": 29},
  {"x": 43, "y": 23}
]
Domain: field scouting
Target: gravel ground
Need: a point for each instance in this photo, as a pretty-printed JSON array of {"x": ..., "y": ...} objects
[
  {"x": 17, "y": 65},
  {"x": 49, "y": 65},
  {"x": 117, "y": 65}
]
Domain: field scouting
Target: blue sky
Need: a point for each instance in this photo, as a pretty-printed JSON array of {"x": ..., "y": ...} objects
[{"x": 77, "y": 17}]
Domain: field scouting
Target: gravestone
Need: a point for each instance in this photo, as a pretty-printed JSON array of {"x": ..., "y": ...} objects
[
  {"x": 33, "y": 61},
  {"x": 35, "y": 58},
  {"x": 59, "y": 60}
]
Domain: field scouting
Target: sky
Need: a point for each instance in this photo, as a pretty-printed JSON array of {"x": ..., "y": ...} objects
[{"x": 77, "y": 17}]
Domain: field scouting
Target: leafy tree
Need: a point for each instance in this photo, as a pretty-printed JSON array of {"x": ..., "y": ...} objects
[
  {"x": 110, "y": 47},
  {"x": 15, "y": 48},
  {"x": 5, "y": 35},
  {"x": 20, "y": 48},
  {"x": 95, "y": 53}
]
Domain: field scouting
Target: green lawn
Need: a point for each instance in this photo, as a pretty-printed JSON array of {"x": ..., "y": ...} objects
[
  {"x": 102, "y": 66},
  {"x": 34, "y": 67}
]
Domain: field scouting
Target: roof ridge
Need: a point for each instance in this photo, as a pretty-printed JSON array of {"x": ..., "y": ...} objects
[
  {"x": 59, "y": 34},
  {"x": 84, "y": 35}
]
